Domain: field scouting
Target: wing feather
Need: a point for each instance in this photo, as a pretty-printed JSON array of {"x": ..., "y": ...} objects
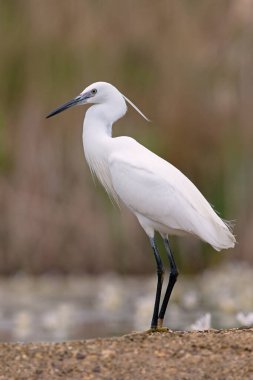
[{"x": 152, "y": 187}]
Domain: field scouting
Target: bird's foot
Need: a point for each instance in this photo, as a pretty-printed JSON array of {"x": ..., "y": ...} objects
[{"x": 157, "y": 330}]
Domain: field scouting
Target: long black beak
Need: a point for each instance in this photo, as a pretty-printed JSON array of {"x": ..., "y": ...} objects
[{"x": 65, "y": 106}]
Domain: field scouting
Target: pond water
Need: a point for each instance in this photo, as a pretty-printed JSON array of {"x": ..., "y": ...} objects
[{"x": 60, "y": 308}]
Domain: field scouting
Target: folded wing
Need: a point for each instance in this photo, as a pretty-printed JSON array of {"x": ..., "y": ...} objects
[{"x": 152, "y": 187}]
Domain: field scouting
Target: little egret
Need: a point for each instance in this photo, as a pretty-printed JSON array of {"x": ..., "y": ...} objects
[{"x": 162, "y": 198}]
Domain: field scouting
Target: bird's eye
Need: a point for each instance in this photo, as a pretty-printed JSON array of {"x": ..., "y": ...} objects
[{"x": 94, "y": 91}]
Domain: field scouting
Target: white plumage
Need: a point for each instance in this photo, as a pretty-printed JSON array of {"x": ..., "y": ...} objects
[{"x": 162, "y": 198}]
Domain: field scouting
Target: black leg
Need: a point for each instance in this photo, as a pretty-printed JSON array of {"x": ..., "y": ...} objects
[
  {"x": 171, "y": 283},
  {"x": 160, "y": 273}
]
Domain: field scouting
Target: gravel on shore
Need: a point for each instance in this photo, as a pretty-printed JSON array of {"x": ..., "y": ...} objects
[{"x": 212, "y": 354}]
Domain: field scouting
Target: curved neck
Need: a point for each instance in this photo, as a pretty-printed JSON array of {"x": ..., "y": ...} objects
[
  {"x": 97, "y": 131},
  {"x": 95, "y": 123},
  {"x": 98, "y": 121},
  {"x": 108, "y": 112},
  {"x": 97, "y": 144}
]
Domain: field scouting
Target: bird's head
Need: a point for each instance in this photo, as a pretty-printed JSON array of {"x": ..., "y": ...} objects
[{"x": 98, "y": 93}]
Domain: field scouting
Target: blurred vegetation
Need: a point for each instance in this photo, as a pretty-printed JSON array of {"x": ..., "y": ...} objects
[{"x": 186, "y": 64}]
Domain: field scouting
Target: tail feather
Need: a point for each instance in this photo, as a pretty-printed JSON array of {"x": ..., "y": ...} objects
[{"x": 219, "y": 235}]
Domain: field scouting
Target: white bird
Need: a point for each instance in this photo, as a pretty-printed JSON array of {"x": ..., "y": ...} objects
[{"x": 162, "y": 198}]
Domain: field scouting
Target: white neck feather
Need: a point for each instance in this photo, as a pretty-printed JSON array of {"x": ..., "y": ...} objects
[{"x": 97, "y": 141}]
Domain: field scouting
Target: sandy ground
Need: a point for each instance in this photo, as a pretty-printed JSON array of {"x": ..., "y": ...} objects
[{"x": 213, "y": 354}]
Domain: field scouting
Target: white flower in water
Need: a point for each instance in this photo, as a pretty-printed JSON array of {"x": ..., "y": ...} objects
[
  {"x": 144, "y": 307},
  {"x": 245, "y": 319},
  {"x": 22, "y": 325},
  {"x": 203, "y": 323},
  {"x": 59, "y": 320},
  {"x": 190, "y": 299},
  {"x": 111, "y": 298}
]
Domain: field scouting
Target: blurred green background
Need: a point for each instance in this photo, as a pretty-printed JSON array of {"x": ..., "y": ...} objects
[{"x": 188, "y": 65}]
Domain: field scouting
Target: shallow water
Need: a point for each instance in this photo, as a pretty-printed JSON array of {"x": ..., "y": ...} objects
[{"x": 59, "y": 308}]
